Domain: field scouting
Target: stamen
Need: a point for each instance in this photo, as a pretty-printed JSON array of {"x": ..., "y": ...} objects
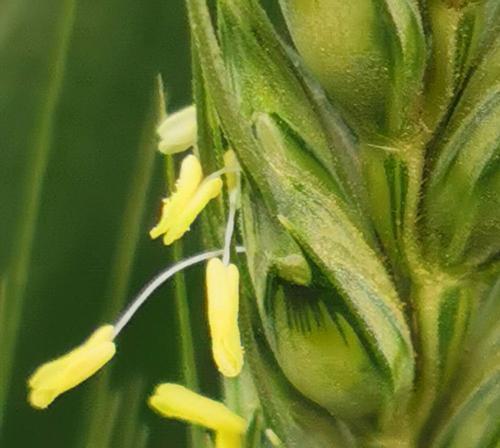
[
  {"x": 69, "y": 370},
  {"x": 187, "y": 184},
  {"x": 222, "y": 171},
  {"x": 233, "y": 200},
  {"x": 176, "y": 401},
  {"x": 179, "y": 131},
  {"x": 159, "y": 280},
  {"x": 231, "y": 162},
  {"x": 181, "y": 223},
  {"x": 232, "y": 172},
  {"x": 223, "y": 307},
  {"x": 192, "y": 195},
  {"x": 224, "y": 439}
]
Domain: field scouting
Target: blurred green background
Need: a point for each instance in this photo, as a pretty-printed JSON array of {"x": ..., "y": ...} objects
[{"x": 80, "y": 184}]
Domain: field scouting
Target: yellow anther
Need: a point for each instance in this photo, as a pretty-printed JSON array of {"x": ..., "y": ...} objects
[
  {"x": 207, "y": 191},
  {"x": 191, "y": 196},
  {"x": 62, "y": 374},
  {"x": 190, "y": 177},
  {"x": 176, "y": 401},
  {"x": 232, "y": 165},
  {"x": 223, "y": 303},
  {"x": 227, "y": 440},
  {"x": 178, "y": 132}
]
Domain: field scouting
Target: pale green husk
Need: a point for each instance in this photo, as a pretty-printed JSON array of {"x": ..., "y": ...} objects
[{"x": 369, "y": 141}]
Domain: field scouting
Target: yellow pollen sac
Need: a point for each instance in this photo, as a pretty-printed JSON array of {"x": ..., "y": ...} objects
[
  {"x": 208, "y": 190},
  {"x": 188, "y": 182},
  {"x": 64, "y": 373},
  {"x": 227, "y": 440},
  {"x": 178, "y": 132},
  {"x": 231, "y": 163},
  {"x": 190, "y": 198},
  {"x": 176, "y": 401},
  {"x": 223, "y": 304}
]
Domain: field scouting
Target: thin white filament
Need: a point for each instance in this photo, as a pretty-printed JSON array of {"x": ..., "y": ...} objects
[
  {"x": 228, "y": 236},
  {"x": 159, "y": 280},
  {"x": 220, "y": 172}
]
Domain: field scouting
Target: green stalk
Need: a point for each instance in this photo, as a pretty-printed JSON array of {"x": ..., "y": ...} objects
[
  {"x": 129, "y": 427},
  {"x": 141, "y": 438},
  {"x": 426, "y": 303},
  {"x": 186, "y": 346},
  {"x": 104, "y": 416},
  {"x": 423, "y": 311},
  {"x": 15, "y": 278},
  {"x": 429, "y": 286},
  {"x": 100, "y": 424}
]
